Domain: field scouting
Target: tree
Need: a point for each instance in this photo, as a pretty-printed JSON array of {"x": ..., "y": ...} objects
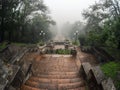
[
  {"x": 103, "y": 19},
  {"x": 17, "y": 15},
  {"x": 70, "y": 29}
]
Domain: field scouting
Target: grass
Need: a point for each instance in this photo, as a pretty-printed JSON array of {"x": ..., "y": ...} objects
[{"x": 110, "y": 70}]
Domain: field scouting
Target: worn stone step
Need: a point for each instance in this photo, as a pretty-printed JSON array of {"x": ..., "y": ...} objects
[
  {"x": 57, "y": 73},
  {"x": 71, "y": 85},
  {"x": 54, "y": 73},
  {"x": 79, "y": 88},
  {"x": 55, "y": 70},
  {"x": 42, "y": 85},
  {"x": 57, "y": 76},
  {"x": 26, "y": 87},
  {"x": 46, "y": 80},
  {"x": 55, "y": 86}
]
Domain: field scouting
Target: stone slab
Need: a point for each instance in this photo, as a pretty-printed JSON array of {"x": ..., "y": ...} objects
[
  {"x": 99, "y": 75},
  {"x": 108, "y": 84},
  {"x": 86, "y": 66}
]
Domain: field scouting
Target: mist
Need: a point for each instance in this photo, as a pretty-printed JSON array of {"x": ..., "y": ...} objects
[
  {"x": 67, "y": 11},
  {"x": 63, "y": 11}
]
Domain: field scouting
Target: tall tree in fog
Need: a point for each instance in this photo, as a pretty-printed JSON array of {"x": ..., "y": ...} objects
[
  {"x": 103, "y": 19},
  {"x": 17, "y": 15},
  {"x": 69, "y": 29}
]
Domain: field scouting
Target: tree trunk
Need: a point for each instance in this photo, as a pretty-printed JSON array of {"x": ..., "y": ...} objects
[
  {"x": 119, "y": 44},
  {"x": 2, "y": 32},
  {"x": 10, "y": 36}
]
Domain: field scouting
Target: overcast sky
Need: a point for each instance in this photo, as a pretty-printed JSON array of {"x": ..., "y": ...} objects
[{"x": 67, "y": 10}]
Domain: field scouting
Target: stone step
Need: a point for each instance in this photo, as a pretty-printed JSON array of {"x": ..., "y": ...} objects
[
  {"x": 55, "y": 70},
  {"x": 42, "y": 85},
  {"x": 66, "y": 86},
  {"x": 26, "y": 87},
  {"x": 56, "y": 76},
  {"x": 79, "y": 88},
  {"x": 57, "y": 73},
  {"x": 59, "y": 81},
  {"x": 55, "y": 86}
]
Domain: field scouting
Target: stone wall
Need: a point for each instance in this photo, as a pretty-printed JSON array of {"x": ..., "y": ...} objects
[
  {"x": 14, "y": 69},
  {"x": 11, "y": 51}
]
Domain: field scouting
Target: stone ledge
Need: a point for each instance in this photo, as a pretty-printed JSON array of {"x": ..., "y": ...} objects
[
  {"x": 108, "y": 84},
  {"x": 94, "y": 74},
  {"x": 87, "y": 66},
  {"x": 99, "y": 76}
]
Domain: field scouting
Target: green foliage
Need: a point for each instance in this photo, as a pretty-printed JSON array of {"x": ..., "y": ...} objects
[
  {"x": 103, "y": 21},
  {"x": 110, "y": 69},
  {"x": 63, "y": 51},
  {"x": 113, "y": 52},
  {"x": 22, "y": 20},
  {"x": 76, "y": 43}
]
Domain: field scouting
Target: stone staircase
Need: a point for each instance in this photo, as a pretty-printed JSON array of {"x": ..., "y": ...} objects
[{"x": 59, "y": 74}]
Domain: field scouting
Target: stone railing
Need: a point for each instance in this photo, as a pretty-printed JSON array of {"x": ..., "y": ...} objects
[
  {"x": 18, "y": 72},
  {"x": 18, "y": 56},
  {"x": 95, "y": 78},
  {"x": 6, "y": 54},
  {"x": 8, "y": 75},
  {"x": 11, "y": 52}
]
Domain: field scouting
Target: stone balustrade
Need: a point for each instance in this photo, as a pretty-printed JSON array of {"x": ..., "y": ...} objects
[{"x": 95, "y": 78}]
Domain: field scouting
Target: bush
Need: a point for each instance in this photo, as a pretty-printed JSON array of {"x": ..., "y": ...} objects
[
  {"x": 63, "y": 51},
  {"x": 110, "y": 70},
  {"x": 76, "y": 43}
]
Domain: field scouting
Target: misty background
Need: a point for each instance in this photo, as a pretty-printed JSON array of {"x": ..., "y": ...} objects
[
  {"x": 66, "y": 13},
  {"x": 63, "y": 11}
]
